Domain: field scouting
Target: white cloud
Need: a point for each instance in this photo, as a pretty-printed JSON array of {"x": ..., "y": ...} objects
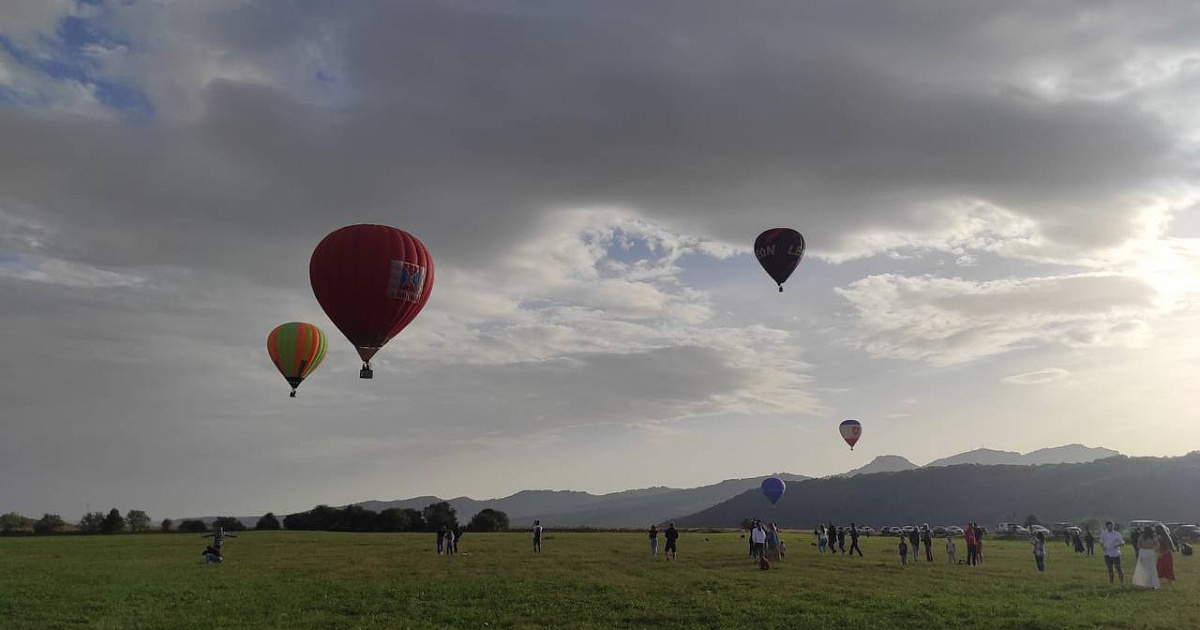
[
  {"x": 944, "y": 321},
  {"x": 1037, "y": 377}
]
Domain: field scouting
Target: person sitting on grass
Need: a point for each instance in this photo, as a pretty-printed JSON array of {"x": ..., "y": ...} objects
[
  {"x": 903, "y": 551},
  {"x": 211, "y": 555}
]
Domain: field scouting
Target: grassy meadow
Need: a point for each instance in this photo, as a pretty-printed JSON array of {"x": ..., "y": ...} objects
[{"x": 586, "y": 580}]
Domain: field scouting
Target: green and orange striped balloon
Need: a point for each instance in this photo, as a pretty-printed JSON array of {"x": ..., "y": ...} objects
[{"x": 297, "y": 349}]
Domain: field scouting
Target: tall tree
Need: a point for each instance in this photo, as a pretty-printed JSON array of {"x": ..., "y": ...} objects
[
  {"x": 92, "y": 523},
  {"x": 438, "y": 515},
  {"x": 138, "y": 521},
  {"x": 114, "y": 523},
  {"x": 229, "y": 524},
  {"x": 268, "y": 522},
  {"x": 49, "y": 524},
  {"x": 192, "y": 526},
  {"x": 12, "y": 523},
  {"x": 166, "y": 525},
  {"x": 489, "y": 520}
]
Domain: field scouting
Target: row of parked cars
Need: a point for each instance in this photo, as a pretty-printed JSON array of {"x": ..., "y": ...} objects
[
  {"x": 936, "y": 530},
  {"x": 1179, "y": 531}
]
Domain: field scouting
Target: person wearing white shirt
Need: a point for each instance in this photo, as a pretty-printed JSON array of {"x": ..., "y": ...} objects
[
  {"x": 1111, "y": 541},
  {"x": 758, "y": 539}
]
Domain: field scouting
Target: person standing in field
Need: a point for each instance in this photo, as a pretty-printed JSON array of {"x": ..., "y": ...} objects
[
  {"x": 773, "y": 540},
  {"x": 441, "y": 538},
  {"x": 654, "y": 540},
  {"x": 927, "y": 540},
  {"x": 672, "y": 535},
  {"x": 914, "y": 541},
  {"x": 854, "y": 540},
  {"x": 903, "y": 551},
  {"x": 758, "y": 540},
  {"x": 1078, "y": 541},
  {"x": 978, "y": 544},
  {"x": 1039, "y": 551},
  {"x": 1166, "y": 556},
  {"x": 951, "y": 550},
  {"x": 1146, "y": 573},
  {"x": 822, "y": 539},
  {"x": 1135, "y": 536},
  {"x": 842, "y": 539},
  {"x": 1111, "y": 541},
  {"x": 537, "y": 536},
  {"x": 1089, "y": 541},
  {"x": 969, "y": 536},
  {"x": 449, "y": 541}
]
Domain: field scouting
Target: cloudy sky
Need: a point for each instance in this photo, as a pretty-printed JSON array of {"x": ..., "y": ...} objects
[{"x": 1000, "y": 200}]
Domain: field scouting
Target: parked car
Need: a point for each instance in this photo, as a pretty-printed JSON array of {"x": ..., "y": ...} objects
[
  {"x": 1011, "y": 529},
  {"x": 939, "y": 530},
  {"x": 866, "y": 530},
  {"x": 954, "y": 530},
  {"x": 1058, "y": 528},
  {"x": 1035, "y": 529},
  {"x": 891, "y": 530},
  {"x": 908, "y": 529},
  {"x": 1188, "y": 532},
  {"x": 1140, "y": 524}
]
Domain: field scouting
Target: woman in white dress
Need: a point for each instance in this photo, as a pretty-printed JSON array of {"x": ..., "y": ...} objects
[{"x": 1146, "y": 573}]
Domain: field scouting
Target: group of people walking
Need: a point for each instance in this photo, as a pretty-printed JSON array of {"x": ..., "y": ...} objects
[
  {"x": 832, "y": 539},
  {"x": 765, "y": 542},
  {"x": 447, "y": 540}
]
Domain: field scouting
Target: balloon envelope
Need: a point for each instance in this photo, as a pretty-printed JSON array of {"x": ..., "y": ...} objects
[
  {"x": 372, "y": 280},
  {"x": 296, "y": 349},
  {"x": 851, "y": 430},
  {"x": 779, "y": 250},
  {"x": 772, "y": 488}
]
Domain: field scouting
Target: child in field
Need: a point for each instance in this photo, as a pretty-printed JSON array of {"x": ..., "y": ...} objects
[
  {"x": 951, "y": 550},
  {"x": 1039, "y": 551},
  {"x": 903, "y": 551},
  {"x": 782, "y": 549}
]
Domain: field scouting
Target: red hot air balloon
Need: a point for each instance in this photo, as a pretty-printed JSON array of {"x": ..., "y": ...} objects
[
  {"x": 372, "y": 280},
  {"x": 851, "y": 430}
]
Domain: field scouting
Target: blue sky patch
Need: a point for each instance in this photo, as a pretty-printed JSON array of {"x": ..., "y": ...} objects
[{"x": 67, "y": 57}]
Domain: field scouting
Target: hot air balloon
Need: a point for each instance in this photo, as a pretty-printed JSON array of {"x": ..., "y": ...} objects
[
  {"x": 779, "y": 250},
  {"x": 372, "y": 280},
  {"x": 296, "y": 349},
  {"x": 772, "y": 488},
  {"x": 851, "y": 430}
]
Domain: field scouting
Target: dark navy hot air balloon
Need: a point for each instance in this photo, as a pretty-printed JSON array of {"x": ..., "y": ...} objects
[
  {"x": 779, "y": 250},
  {"x": 772, "y": 488}
]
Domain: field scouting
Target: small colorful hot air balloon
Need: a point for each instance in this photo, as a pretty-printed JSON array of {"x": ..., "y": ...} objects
[
  {"x": 372, "y": 280},
  {"x": 296, "y": 349},
  {"x": 772, "y": 488},
  {"x": 851, "y": 430},
  {"x": 779, "y": 250}
]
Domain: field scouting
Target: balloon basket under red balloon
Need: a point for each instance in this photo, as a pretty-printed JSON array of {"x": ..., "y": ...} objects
[
  {"x": 293, "y": 394},
  {"x": 366, "y": 372}
]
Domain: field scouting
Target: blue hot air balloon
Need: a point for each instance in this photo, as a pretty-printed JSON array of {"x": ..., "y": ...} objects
[{"x": 772, "y": 488}]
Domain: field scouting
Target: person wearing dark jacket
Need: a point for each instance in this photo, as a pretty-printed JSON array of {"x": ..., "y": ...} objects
[
  {"x": 672, "y": 535},
  {"x": 1089, "y": 541},
  {"x": 927, "y": 538},
  {"x": 854, "y": 540},
  {"x": 441, "y": 538},
  {"x": 914, "y": 541},
  {"x": 842, "y": 539}
]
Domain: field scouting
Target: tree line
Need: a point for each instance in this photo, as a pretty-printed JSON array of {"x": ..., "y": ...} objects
[{"x": 352, "y": 518}]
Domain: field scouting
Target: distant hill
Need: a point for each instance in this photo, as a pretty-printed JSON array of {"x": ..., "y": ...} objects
[
  {"x": 883, "y": 463},
  {"x": 630, "y": 508},
  {"x": 1069, "y": 454},
  {"x": 1123, "y": 488}
]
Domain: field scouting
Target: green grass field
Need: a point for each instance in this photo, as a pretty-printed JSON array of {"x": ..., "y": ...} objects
[{"x": 330, "y": 580}]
